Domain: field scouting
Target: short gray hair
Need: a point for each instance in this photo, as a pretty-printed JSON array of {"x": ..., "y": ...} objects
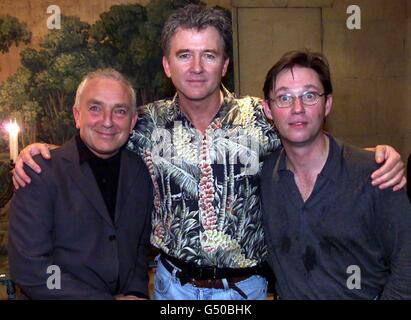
[{"x": 107, "y": 73}]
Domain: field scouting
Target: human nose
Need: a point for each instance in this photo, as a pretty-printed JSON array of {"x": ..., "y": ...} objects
[
  {"x": 298, "y": 106},
  {"x": 107, "y": 119},
  {"x": 197, "y": 64}
]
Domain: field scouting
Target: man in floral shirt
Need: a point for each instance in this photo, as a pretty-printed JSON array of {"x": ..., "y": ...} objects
[{"x": 204, "y": 150}]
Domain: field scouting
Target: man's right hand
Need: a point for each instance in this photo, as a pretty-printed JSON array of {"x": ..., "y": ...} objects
[{"x": 20, "y": 178}]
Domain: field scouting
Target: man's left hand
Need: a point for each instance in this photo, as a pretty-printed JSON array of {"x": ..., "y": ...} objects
[{"x": 391, "y": 173}]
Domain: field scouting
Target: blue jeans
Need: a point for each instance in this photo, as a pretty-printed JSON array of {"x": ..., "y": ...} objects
[{"x": 168, "y": 287}]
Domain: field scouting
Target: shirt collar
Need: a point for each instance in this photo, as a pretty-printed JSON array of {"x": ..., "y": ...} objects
[
  {"x": 85, "y": 155},
  {"x": 333, "y": 164},
  {"x": 226, "y": 106}
]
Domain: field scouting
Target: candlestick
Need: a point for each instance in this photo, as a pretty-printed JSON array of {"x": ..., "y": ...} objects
[{"x": 13, "y": 130}]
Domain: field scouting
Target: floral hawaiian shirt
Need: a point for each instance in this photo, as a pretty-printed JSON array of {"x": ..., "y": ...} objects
[{"x": 207, "y": 194}]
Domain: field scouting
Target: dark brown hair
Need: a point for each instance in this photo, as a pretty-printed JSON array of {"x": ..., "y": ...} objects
[{"x": 306, "y": 59}]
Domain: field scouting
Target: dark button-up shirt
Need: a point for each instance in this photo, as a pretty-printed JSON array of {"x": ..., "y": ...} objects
[{"x": 348, "y": 240}]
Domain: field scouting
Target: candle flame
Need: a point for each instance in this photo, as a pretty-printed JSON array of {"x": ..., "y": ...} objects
[{"x": 12, "y": 127}]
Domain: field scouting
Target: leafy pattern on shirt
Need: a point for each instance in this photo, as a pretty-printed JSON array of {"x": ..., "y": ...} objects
[{"x": 207, "y": 196}]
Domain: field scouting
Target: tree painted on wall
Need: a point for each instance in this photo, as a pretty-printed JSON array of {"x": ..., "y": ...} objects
[
  {"x": 12, "y": 32},
  {"x": 127, "y": 37},
  {"x": 66, "y": 55},
  {"x": 40, "y": 94}
]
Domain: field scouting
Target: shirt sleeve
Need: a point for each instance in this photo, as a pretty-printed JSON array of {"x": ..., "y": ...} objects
[
  {"x": 138, "y": 283},
  {"x": 394, "y": 229}
]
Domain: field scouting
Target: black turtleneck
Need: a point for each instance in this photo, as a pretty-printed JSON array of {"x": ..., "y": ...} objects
[{"x": 105, "y": 171}]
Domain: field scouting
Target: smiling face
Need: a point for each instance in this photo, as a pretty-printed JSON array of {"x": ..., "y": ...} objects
[
  {"x": 298, "y": 125},
  {"x": 105, "y": 116},
  {"x": 196, "y": 63}
]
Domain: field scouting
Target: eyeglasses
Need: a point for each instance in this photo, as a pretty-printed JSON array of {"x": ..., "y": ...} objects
[{"x": 308, "y": 98}]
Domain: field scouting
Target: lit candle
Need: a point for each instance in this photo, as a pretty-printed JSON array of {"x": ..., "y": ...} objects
[{"x": 13, "y": 130}]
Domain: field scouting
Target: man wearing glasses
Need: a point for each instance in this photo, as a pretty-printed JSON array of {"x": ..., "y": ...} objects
[{"x": 330, "y": 233}]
